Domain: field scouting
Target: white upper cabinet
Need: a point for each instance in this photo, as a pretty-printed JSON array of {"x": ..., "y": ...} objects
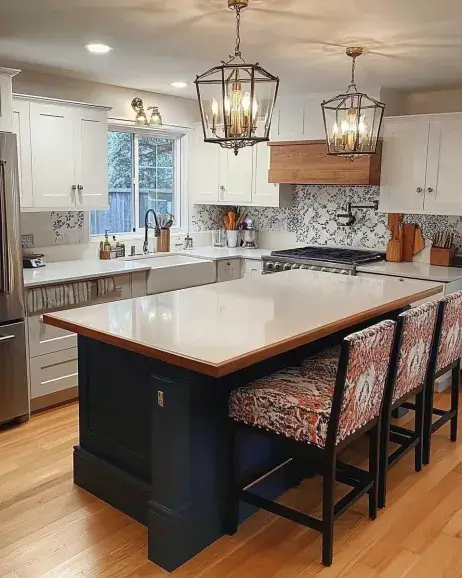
[
  {"x": 52, "y": 142},
  {"x": 21, "y": 127},
  {"x": 421, "y": 166},
  {"x": 219, "y": 177},
  {"x": 204, "y": 169},
  {"x": 404, "y": 160},
  {"x": 6, "y": 99},
  {"x": 91, "y": 158},
  {"x": 444, "y": 167},
  {"x": 63, "y": 157},
  {"x": 236, "y": 176}
]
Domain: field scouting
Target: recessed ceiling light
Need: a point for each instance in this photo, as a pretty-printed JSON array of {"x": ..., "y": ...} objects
[
  {"x": 179, "y": 84},
  {"x": 98, "y": 48}
]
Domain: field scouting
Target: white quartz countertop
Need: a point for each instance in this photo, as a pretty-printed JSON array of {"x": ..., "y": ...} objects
[
  {"x": 65, "y": 271},
  {"x": 220, "y": 328},
  {"x": 219, "y": 253},
  {"x": 414, "y": 270}
]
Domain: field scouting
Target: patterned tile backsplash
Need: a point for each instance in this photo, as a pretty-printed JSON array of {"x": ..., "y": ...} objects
[
  {"x": 56, "y": 227},
  {"x": 313, "y": 218}
]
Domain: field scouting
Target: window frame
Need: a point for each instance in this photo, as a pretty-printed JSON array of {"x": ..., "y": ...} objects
[{"x": 180, "y": 153}]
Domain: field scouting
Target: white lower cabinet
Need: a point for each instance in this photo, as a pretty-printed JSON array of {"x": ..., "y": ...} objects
[
  {"x": 53, "y": 352},
  {"x": 251, "y": 268},
  {"x": 53, "y": 372},
  {"x": 228, "y": 270}
]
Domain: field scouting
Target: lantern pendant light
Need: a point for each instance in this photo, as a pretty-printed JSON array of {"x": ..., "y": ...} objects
[
  {"x": 352, "y": 120},
  {"x": 236, "y": 99}
]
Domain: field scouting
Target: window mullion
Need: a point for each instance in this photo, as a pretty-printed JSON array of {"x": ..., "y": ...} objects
[{"x": 136, "y": 181}]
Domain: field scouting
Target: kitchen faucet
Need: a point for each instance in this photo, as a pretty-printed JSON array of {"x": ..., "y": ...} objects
[{"x": 148, "y": 226}]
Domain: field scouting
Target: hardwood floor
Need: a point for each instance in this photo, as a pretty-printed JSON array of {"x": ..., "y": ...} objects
[{"x": 51, "y": 528}]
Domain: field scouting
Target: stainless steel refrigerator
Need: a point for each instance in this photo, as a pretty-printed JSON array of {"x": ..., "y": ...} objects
[{"x": 14, "y": 394}]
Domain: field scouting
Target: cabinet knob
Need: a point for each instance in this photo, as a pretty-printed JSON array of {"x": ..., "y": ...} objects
[
  {"x": 222, "y": 188},
  {"x": 74, "y": 187},
  {"x": 419, "y": 190},
  {"x": 80, "y": 187},
  {"x": 430, "y": 190}
]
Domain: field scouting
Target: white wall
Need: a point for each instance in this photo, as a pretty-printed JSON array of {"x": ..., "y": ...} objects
[
  {"x": 427, "y": 102},
  {"x": 175, "y": 111}
]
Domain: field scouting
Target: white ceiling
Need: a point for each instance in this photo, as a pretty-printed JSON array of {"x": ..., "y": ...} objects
[{"x": 410, "y": 43}]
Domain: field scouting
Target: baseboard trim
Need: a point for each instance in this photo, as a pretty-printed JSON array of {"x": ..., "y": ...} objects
[{"x": 55, "y": 399}]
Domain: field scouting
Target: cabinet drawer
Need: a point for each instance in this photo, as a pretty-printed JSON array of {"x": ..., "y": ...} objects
[
  {"x": 53, "y": 372},
  {"x": 45, "y": 339}
]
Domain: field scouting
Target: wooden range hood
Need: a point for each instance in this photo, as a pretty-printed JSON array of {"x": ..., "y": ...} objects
[{"x": 306, "y": 162}]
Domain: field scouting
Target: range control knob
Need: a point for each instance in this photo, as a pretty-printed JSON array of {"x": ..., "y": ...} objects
[
  {"x": 304, "y": 267},
  {"x": 277, "y": 266},
  {"x": 287, "y": 267},
  {"x": 270, "y": 266},
  {"x": 295, "y": 266}
]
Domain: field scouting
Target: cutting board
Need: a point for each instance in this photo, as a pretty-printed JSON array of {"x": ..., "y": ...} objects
[
  {"x": 395, "y": 245},
  {"x": 408, "y": 241}
]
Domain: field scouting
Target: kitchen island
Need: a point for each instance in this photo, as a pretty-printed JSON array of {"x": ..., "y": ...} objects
[{"x": 154, "y": 378}]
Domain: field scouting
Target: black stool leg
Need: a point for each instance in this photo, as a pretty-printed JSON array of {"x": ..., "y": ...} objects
[
  {"x": 428, "y": 418},
  {"x": 455, "y": 401},
  {"x": 328, "y": 481},
  {"x": 419, "y": 429},
  {"x": 232, "y": 500},
  {"x": 374, "y": 448},
  {"x": 383, "y": 460}
]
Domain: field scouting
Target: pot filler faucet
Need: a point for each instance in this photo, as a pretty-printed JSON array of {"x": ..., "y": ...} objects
[{"x": 147, "y": 226}]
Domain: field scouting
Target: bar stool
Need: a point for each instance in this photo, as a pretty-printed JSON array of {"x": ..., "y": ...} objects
[
  {"x": 412, "y": 348},
  {"x": 447, "y": 356},
  {"x": 317, "y": 409}
]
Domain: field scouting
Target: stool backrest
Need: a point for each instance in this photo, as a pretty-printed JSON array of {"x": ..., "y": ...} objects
[
  {"x": 450, "y": 343},
  {"x": 362, "y": 375},
  {"x": 415, "y": 333}
]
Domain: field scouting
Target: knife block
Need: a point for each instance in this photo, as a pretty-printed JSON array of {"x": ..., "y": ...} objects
[{"x": 442, "y": 257}]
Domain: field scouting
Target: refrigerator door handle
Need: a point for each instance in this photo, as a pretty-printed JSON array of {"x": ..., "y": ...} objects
[
  {"x": 4, "y": 338},
  {"x": 4, "y": 259}
]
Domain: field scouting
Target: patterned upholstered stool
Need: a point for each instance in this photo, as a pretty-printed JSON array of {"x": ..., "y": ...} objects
[
  {"x": 447, "y": 356},
  {"x": 412, "y": 349},
  {"x": 317, "y": 409}
]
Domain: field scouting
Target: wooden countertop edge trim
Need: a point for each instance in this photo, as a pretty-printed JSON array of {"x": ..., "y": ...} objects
[{"x": 242, "y": 361}]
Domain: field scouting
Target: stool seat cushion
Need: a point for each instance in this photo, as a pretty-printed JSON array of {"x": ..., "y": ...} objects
[
  {"x": 295, "y": 402},
  {"x": 450, "y": 346}
]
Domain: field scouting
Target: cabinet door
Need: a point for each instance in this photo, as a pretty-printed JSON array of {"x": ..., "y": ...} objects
[
  {"x": 91, "y": 158},
  {"x": 52, "y": 142},
  {"x": 5, "y": 103},
  {"x": 444, "y": 167},
  {"x": 236, "y": 176},
  {"x": 204, "y": 169},
  {"x": 251, "y": 268},
  {"x": 404, "y": 159},
  {"x": 21, "y": 127},
  {"x": 228, "y": 270},
  {"x": 288, "y": 121},
  {"x": 265, "y": 194}
]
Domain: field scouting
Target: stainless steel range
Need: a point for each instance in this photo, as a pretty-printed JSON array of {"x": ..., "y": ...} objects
[{"x": 328, "y": 259}]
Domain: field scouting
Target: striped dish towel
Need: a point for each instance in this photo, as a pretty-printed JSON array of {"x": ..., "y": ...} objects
[
  {"x": 57, "y": 296},
  {"x": 105, "y": 285}
]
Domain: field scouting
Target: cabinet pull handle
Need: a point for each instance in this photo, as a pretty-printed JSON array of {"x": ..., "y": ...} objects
[
  {"x": 430, "y": 190},
  {"x": 74, "y": 187},
  {"x": 80, "y": 187},
  {"x": 419, "y": 190},
  {"x": 4, "y": 338}
]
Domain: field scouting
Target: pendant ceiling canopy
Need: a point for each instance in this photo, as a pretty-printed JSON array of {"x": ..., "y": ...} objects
[
  {"x": 236, "y": 99},
  {"x": 352, "y": 120}
]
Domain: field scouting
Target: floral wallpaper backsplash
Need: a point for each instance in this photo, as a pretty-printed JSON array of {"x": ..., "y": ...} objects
[
  {"x": 68, "y": 227},
  {"x": 56, "y": 228},
  {"x": 313, "y": 218}
]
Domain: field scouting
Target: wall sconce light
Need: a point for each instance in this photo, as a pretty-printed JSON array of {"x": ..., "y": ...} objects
[{"x": 141, "y": 116}]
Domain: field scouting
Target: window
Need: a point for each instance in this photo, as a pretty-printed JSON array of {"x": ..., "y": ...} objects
[{"x": 141, "y": 177}]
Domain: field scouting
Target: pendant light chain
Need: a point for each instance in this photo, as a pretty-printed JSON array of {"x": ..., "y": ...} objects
[
  {"x": 352, "y": 81},
  {"x": 237, "y": 50}
]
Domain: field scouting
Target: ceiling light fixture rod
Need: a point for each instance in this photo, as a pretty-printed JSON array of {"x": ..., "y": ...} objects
[{"x": 353, "y": 52}]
